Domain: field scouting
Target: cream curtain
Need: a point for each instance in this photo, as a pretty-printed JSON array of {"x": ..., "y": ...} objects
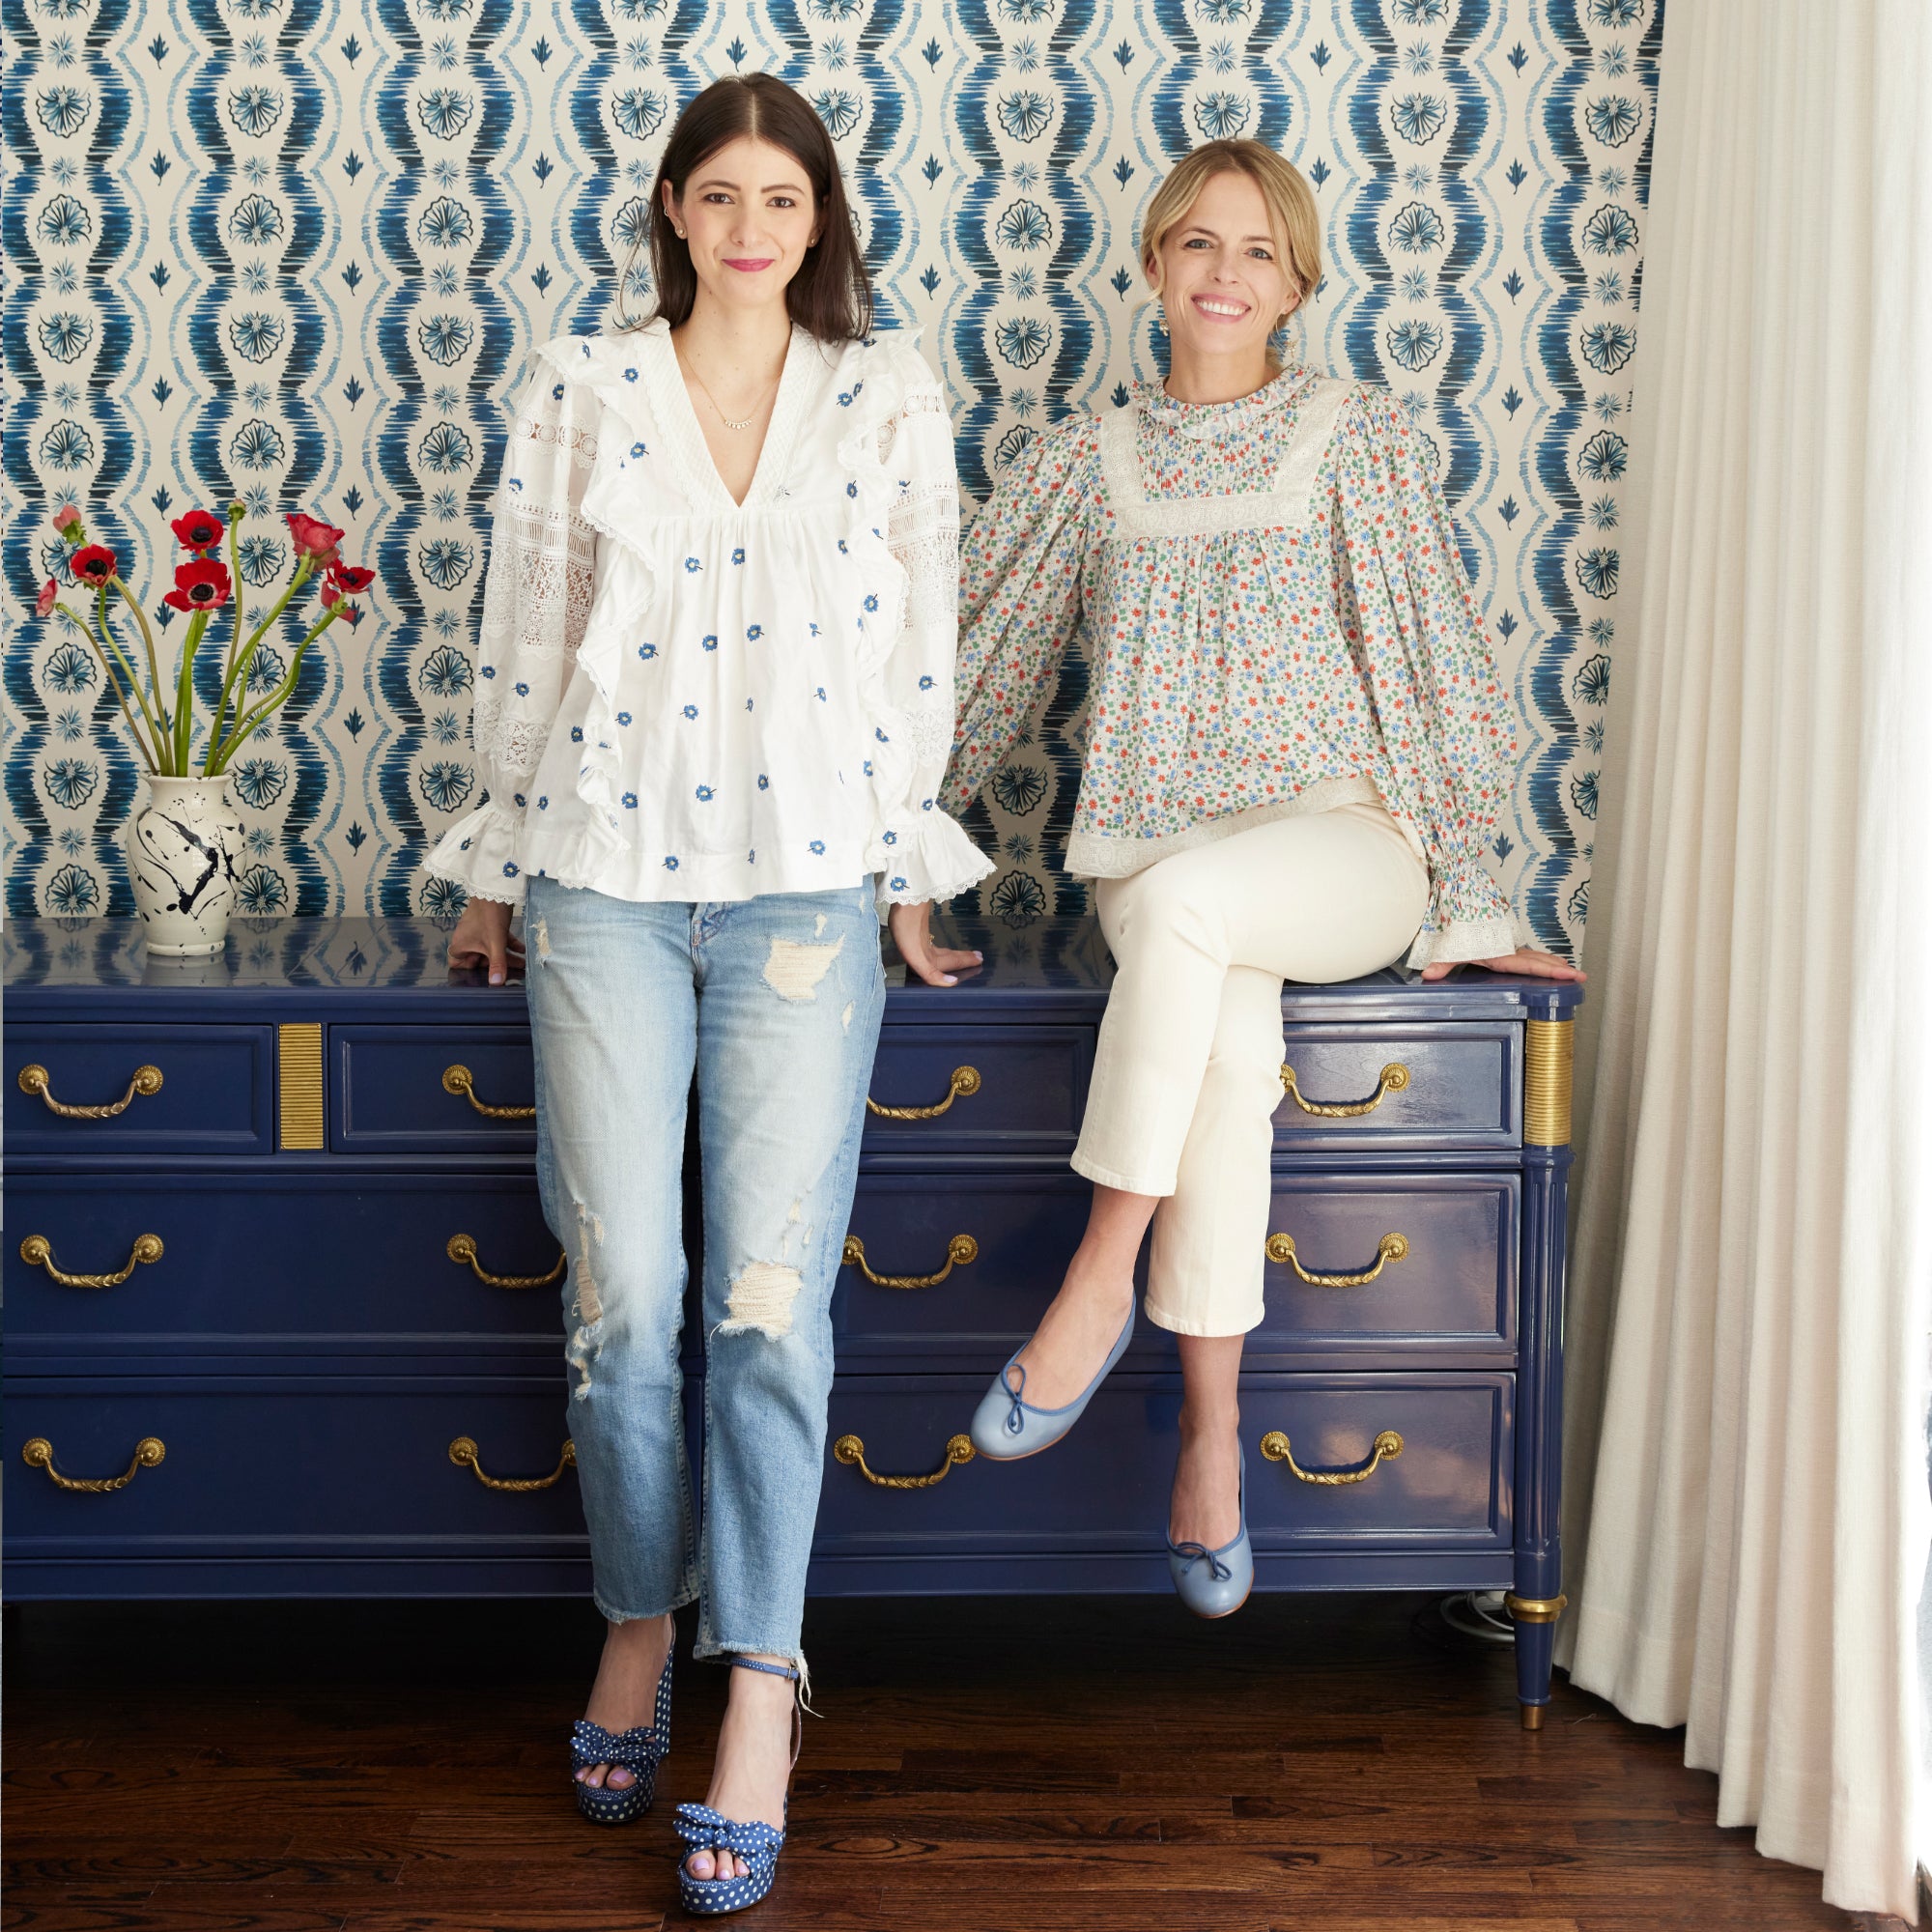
[{"x": 1745, "y": 1510}]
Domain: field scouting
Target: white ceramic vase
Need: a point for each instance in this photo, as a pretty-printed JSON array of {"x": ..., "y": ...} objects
[{"x": 180, "y": 854}]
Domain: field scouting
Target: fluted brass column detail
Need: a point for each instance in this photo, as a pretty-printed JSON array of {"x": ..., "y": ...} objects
[
  {"x": 298, "y": 1077},
  {"x": 1549, "y": 1054}
]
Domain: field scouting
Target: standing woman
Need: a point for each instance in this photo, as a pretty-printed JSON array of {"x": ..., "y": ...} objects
[
  {"x": 1296, "y": 752},
  {"x": 714, "y": 704}
]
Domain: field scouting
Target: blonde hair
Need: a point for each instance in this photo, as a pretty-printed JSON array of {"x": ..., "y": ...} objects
[{"x": 1293, "y": 218}]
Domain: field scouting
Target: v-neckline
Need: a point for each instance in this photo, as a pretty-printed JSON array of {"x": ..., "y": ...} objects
[{"x": 773, "y": 453}]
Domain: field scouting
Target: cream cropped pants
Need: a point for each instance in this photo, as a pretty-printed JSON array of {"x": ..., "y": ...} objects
[{"x": 1188, "y": 1075}]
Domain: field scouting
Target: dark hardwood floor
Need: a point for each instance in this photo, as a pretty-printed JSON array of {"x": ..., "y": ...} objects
[{"x": 1341, "y": 1763}]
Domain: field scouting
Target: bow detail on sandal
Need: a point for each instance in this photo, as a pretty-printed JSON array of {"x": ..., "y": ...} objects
[{"x": 756, "y": 1845}]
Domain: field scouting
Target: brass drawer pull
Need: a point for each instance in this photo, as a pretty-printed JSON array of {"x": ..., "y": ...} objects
[
  {"x": 457, "y": 1080},
  {"x": 463, "y": 1453},
  {"x": 1395, "y": 1077},
  {"x": 462, "y": 1249},
  {"x": 850, "y": 1451},
  {"x": 145, "y": 1080},
  {"x": 37, "y": 1252},
  {"x": 960, "y": 1250},
  {"x": 39, "y": 1454},
  {"x": 1387, "y": 1446},
  {"x": 1390, "y": 1248},
  {"x": 964, "y": 1084}
]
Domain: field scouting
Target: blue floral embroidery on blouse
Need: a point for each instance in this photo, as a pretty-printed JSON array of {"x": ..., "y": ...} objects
[
  {"x": 925, "y": 681},
  {"x": 670, "y": 862},
  {"x": 889, "y": 839},
  {"x": 738, "y": 555},
  {"x": 691, "y": 711},
  {"x": 509, "y": 868},
  {"x": 842, "y": 551},
  {"x": 880, "y": 735},
  {"x": 631, "y": 801},
  {"x": 489, "y": 670},
  {"x": 577, "y": 735},
  {"x": 844, "y": 399},
  {"x": 764, "y": 784},
  {"x": 818, "y": 847},
  {"x": 851, "y": 490},
  {"x": 710, "y": 642},
  {"x": 520, "y": 801},
  {"x": 630, "y": 375},
  {"x": 623, "y": 718},
  {"x": 872, "y": 601},
  {"x": 753, "y": 633},
  {"x": 898, "y": 885},
  {"x": 869, "y": 768},
  {"x": 557, "y": 389},
  {"x": 523, "y": 691},
  {"x": 647, "y": 652},
  {"x": 813, "y": 628},
  {"x": 692, "y": 563},
  {"x": 543, "y": 802},
  {"x": 704, "y": 794},
  {"x": 638, "y": 449},
  {"x": 820, "y": 694}
]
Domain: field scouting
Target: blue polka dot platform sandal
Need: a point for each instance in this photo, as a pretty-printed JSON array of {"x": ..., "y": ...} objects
[
  {"x": 639, "y": 1750},
  {"x": 755, "y": 1846}
]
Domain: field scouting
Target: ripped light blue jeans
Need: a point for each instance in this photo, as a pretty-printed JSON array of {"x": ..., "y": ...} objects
[{"x": 775, "y": 1003}]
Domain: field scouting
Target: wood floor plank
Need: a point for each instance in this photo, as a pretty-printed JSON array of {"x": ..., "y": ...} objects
[{"x": 1340, "y": 1763}]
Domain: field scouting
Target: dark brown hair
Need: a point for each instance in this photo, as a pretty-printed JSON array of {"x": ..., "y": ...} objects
[{"x": 831, "y": 295}]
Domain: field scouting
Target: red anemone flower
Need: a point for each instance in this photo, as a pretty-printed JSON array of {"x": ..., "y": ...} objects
[
  {"x": 312, "y": 536},
  {"x": 94, "y": 564},
  {"x": 201, "y": 586},
  {"x": 43, "y": 603},
  {"x": 351, "y": 578},
  {"x": 199, "y": 529}
]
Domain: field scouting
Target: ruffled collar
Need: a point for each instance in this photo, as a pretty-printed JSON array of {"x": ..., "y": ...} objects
[{"x": 1203, "y": 421}]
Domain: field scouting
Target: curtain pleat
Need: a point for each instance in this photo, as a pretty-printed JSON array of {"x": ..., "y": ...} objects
[{"x": 1745, "y": 1512}]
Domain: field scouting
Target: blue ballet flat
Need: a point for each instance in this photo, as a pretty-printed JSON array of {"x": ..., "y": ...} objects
[
  {"x": 1215, "y": 1582},
  {"x": 756, "y": 1845},
  {"x": 639, "y": 1750},
  {"x": 1007, "y": 1428}
]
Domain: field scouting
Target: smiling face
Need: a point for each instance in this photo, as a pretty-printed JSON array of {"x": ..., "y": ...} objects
[
  {"x": 1222, "y": 274},
  {"x": 747, "y": 217}
]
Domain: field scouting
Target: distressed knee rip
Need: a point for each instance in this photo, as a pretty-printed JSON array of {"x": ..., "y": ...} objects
[
  {"x": 540, "y": 936},
  {"x": 793, "y": 968},
  {"x": 586, "y": 1339},
  {"x": 761, "y": 1297}
]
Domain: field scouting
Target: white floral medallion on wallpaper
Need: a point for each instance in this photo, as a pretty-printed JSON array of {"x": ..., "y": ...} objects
[{"x": 295, "y": 251}]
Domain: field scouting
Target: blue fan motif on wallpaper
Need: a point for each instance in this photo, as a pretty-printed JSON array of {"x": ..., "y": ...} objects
[{"x": 298, "y": 252}]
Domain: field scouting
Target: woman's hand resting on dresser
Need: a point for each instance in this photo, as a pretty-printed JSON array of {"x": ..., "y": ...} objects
[
  {"x": 1528, "y": 961},
  {"x": 483, "y": 940},
  {"x": 912, "y": 933}
]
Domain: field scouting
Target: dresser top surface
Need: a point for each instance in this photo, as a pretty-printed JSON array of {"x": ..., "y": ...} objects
[{"x": 396, "y": 968}]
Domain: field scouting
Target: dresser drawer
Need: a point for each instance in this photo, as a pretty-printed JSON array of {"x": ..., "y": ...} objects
[
  {"x": 1439, "y": 1086},
  {"x": 980, "y": 1089},
  {"x": 290, "y": 1256},
  {"x": 91, "y": 1089},
  {"x": 431, "y": 1090},
  {"x": 1104, "y": 1486},
  {"x": 306, "y": 1463},
  {"x": 1020, "y": 1231},
  {"x": 1439, "y": 1251}
]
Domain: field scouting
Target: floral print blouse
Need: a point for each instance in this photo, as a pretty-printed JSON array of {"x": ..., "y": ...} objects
[
  {"x": 683, "y": 697},
  {"x": 1276, "y": 620}
]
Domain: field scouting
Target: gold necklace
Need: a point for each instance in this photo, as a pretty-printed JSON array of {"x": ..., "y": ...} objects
[{"x": 713, "y": 399}]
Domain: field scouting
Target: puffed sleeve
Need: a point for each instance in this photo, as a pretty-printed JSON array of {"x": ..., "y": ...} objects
[
  {"x": 918, "y": 850},
  {"x": 1020, "y": 572},
  {"x": 536, "y": 600},
  {"x": 1445, "y": 717}
]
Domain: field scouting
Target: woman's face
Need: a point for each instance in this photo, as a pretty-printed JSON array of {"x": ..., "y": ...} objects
[
  {"x": 1224, "y": 283},
  {"x": 747, "y": 218}
]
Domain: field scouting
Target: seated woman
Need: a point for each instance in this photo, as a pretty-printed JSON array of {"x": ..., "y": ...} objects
[{"x": 1297, "y": 750}]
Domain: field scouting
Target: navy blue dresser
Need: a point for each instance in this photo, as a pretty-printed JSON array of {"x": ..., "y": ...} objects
[{"x": 282, "y": 1311}]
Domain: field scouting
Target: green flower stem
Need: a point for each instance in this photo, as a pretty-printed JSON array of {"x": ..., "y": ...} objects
[
  {"x": 235, "y": 636},
  {"x": 108, "y": 646},
  {"x": 197, "y": 626},
  {"x": 246, "y": 724},
  {"x": 107, "y": 664},
  {"x": 128, "y": 598},
  {"x": 236, "y": 681}
]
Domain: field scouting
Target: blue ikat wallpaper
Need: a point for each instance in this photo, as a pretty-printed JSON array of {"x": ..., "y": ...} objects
[{"x": 295, "y": 251}]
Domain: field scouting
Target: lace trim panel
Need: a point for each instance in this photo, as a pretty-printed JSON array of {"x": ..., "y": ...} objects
[{"x": 1288, "y": 506}]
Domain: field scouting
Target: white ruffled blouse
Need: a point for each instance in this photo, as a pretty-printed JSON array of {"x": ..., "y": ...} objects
[{"x": 682, "y": 697}]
